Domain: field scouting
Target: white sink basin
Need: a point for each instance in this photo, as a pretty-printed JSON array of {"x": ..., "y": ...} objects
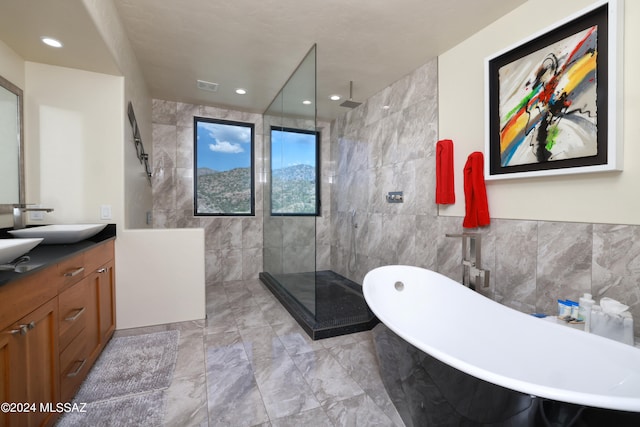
[
  {"x": 11, "y": 249},
  {"x": 60, "y": 234}
]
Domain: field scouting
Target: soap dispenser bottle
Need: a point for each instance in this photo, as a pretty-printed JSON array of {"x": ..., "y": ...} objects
[{"x": 585, "y": 303}]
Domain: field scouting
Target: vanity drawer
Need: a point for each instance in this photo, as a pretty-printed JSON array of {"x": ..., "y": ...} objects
[
  {"x": 98, "y": 256},
  {"x": 74, "y": 365},
  {"x": 74, "y": 310},
  {"x": 70, "y": 271},
  {"x": 19, "y": 297}
]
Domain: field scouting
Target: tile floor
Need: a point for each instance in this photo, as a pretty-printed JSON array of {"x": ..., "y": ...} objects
[{"x": 250, "y": 364}]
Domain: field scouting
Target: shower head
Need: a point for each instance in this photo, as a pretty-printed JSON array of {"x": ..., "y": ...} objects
[{"x": 350, "y": 103}]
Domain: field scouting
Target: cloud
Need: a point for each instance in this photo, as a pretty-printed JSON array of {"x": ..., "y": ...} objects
[
  {"x": 226, "y": 147},
  {"x": 222, "y": 132}
]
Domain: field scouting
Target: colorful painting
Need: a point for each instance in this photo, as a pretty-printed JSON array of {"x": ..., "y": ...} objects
[
  {"x": 548, "y": 108},
  {"x": 551, "y": 99}
]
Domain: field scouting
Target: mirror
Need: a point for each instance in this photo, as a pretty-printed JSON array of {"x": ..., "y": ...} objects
[{"x": 11, "y": 146}]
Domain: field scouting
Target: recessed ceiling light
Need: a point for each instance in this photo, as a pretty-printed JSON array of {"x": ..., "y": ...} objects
[
  {"x": 241, "y": 91},
  {"x": 51, "y": 42},
  {"x": 334, "y": 97},
  {"x": 306, "y": 102},
  {"x": 385, "y": 107}
]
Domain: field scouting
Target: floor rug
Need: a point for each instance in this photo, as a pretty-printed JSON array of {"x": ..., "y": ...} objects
[
  {"x": 131, "y": 365},
  {"x": 145, "y": 409}
]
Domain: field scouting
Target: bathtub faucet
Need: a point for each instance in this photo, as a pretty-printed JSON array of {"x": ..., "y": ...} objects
[{"x": 472, "y": 273}]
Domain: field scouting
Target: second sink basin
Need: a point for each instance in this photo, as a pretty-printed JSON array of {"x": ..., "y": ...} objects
[
  {"x": 61, "y": 233},
  {"x": 10, "y": 249}
]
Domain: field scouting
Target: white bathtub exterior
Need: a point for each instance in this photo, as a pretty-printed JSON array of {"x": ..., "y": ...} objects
[{"x": 503, "y": 346}]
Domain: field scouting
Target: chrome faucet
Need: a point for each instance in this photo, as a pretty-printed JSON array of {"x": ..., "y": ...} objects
[
  {"x": 472, "y": 273},
  {"x": 18, "y": 214}
]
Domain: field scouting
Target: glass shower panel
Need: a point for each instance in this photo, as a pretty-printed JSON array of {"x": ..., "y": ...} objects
[
  {"x": 272, "y": 231},
  {"x": 289, "y": 238}
]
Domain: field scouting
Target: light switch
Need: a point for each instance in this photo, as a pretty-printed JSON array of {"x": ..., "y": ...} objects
[{"x": 105, "y": 212}]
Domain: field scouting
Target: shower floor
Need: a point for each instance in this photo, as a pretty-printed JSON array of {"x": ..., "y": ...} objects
[{"x": 340, "y": 307}]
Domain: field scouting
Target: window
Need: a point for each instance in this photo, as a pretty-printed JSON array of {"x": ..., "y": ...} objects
[
  {"x": 224, "y": 167},
  {"x": 294, "y": 172}
]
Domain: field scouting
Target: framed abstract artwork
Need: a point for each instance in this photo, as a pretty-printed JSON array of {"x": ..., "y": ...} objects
[{"x": 555, "y": 101}]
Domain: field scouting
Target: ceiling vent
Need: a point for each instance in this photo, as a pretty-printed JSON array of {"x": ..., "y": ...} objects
[{"x": 208, "y": 86}]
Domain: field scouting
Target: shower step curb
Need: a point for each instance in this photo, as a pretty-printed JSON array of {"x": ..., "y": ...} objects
[{"x": 314, "y": 328}]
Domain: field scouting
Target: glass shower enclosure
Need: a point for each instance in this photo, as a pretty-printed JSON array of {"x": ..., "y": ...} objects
[
  {"x": 289, "y": 252},
  {"x": 322, "y": 302}
]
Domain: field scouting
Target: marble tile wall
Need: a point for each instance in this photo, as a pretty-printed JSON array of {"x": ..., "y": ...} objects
[
  {"x": 233, "y": 245},
  {"x": 532, "y": 263},
  {"x": 386, "y": 144}
]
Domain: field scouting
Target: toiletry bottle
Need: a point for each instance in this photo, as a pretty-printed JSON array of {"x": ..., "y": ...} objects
[
  {"x": 564, "y": 309},
  {"x": 584, "y": 312},
  {"x": 575, "y": 307}
]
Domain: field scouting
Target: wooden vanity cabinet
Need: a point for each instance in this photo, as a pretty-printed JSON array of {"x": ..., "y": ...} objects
[
  {"x": 87, "y": 315},
  {"x": 53, "y": 326},
  {"x": 104, "y": 280},
  {"x": 13, "y": 387},
  {"x": 29, "y": 356}
]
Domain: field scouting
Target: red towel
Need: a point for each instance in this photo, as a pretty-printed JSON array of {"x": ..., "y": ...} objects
[
  {"x": 445, "y": 193},
  {"x": 475, "y": 192}
]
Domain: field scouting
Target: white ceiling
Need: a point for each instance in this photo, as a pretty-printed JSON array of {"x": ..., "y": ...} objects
[{"x": 254, "y": 44}]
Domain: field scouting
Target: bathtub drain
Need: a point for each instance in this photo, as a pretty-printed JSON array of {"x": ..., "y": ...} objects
[{"x": 399, "y": 286}]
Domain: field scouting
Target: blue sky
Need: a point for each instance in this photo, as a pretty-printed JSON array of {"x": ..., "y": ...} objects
[
  {"x": 223, "y": 147},
  {"x": 292, "y": 148}
]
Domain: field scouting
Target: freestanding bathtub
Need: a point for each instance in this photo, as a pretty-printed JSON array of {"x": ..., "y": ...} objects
[{"x": 450, "y": 356}]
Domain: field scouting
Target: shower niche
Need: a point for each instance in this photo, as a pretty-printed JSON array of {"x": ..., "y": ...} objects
[{"x": 324, "y": 303}]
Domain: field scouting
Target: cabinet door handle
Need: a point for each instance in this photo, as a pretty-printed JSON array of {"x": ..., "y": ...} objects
[
  {"x": 102, "y": 270},
  {"x": 26, "y": 328},
  {"x": 74, "y": 272},
  {"x": 78, "y": 369},
  {"x": 14, "y": 331},
  {"x": 30, "y": 325},
  {"x": 79, "y": 311}
]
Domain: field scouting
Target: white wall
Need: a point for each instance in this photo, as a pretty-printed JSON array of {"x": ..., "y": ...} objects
[
  {"x": 75, "y": 163},
  {"x": 165, "y": 285},
  {"x": 137, "y": 190},
  {"x": 11, "y": 65},
  {"x": 611, "y": 197},
  {"x": 73, "y": 142},
  {"x": 159, "y": 273}
]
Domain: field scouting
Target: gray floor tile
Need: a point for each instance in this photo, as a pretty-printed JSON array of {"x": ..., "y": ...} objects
[
  {"x": 233, "y": 395},
  {"x": 249, "y": 317},
  {"x": 250, "y": 364},
  {"x": 284, "y": 390},
  {"x": 221, "y": 320},
  {"x": 357, "y": 411},
  {"x": 295, "y": 339},
  {"x": 261, "y": 343},
  {"x": 359, "y": 360},
  {"x": 328, "y": 380},
  {"x": 312, "y": 418}
]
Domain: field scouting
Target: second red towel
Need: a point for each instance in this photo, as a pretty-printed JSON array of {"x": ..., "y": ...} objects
[{"x": 475, "y": 192}]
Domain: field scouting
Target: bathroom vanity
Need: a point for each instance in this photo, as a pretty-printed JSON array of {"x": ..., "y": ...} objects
[{"x": 55, "y": 319}]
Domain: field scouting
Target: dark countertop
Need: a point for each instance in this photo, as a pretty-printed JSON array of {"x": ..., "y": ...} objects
[{"x": 43, "y": 256}]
